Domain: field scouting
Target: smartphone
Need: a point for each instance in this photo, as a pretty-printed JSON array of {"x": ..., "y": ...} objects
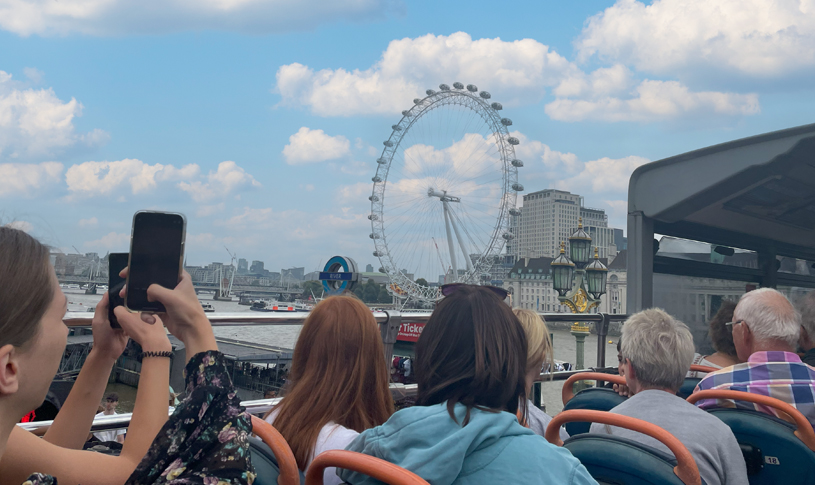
[
  {"x": 116, "y": 263},
  {"x": 156, "y": 256}
]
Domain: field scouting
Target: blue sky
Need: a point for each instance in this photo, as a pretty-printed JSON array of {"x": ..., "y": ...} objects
[{"x": 261, "y": 120}]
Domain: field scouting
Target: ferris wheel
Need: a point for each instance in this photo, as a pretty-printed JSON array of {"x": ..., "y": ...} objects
[{"x": 445, "y": 187}]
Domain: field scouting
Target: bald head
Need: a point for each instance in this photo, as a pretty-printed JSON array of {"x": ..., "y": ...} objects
[{"x": 771, "y": 318}]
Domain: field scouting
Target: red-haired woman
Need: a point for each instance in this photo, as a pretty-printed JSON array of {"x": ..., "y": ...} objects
[{"x": 338, "y": 382}]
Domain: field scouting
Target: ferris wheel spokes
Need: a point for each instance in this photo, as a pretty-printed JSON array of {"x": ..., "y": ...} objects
[{"x": 449, "y": 221}]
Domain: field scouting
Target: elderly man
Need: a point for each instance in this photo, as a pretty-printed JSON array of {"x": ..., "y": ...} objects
[
  {"x": 807, "y": 340},
  {"x": 765, "y": 329},
  {"x": 655, "y": 355}
]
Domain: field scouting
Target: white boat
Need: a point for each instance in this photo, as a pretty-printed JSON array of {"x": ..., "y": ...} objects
[{"x": 207, "y": 306}]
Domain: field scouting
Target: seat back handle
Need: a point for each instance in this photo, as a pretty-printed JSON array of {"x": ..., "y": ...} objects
[
  {"x": 568, "y": 393},
  {"x": 368, "y": 465},
  {"x": 703, "y": 368},
  {"x": 803, "y": 430},
  {"x": 685, "y": 468},
  {"x": 289, "y": 473}
]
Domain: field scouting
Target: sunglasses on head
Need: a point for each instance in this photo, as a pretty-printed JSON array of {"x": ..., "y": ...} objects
[{"x": 450, "y": 288}]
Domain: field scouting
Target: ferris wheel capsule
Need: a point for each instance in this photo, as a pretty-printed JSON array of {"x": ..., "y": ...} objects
[
  {"x": 458, "y": 85},
  {"x": 517, "y": 163},
  {"x": 508, "y": 236},
  {"x": 372, "y": 217},
  {"x": 485, "y": 95},
  {"x": 377, "y": 179},
  {"x": 444, "y": 87},
  {"x": 417, "y": 101},
  {"x": 506, "y": 121},
  {"x": 377, "y": 254},
  {"x": 497, "y": 106},
  {"x": 472, "y": 88},
  {"x": 407, "y": 113},
  {"x": 373, "y": 198},
  {"x": 517, "y": 187},
  {"x": 396, "y": 127},
  {"x": 513, "y": 141},
  {"x": 389, "y": 143},
  {"x": 381, "y": 160},
  {"x": 514, "y": 211},
  {"x": 373, "y": 236},
  {"x": 430, "y": 92}
]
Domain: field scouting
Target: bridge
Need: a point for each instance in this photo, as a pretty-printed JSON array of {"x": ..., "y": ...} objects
[{"x": 237, "y": 290}]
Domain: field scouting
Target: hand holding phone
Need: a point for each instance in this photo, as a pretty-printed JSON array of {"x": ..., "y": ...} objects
[
  {"x": 156, "y": 257},
  {"x": 116, "y": 263}
]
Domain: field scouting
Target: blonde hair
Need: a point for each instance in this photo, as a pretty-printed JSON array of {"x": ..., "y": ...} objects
[{"x": 538, "y": 341}]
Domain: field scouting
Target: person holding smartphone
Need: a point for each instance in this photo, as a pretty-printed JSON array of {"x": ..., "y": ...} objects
[{"x": 32, "y": 340}]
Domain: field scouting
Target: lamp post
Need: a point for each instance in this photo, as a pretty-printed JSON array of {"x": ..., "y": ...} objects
[{"x": 579, "y": 284}]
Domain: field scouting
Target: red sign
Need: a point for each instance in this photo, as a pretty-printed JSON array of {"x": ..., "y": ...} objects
[{"x": 409, "y": 332}]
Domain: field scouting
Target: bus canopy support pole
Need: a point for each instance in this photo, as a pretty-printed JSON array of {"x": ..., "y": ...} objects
[
  {"x": 602, "y": 334},
  {"x": 389, "y": 330},
  {"x": 640, "y": 262}
]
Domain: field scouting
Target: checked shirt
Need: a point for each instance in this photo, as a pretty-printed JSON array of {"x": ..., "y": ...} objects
[{"x": 777, "y": 374}]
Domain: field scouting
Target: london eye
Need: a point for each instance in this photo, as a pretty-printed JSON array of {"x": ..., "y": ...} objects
[{"x": 445, "y": 186}]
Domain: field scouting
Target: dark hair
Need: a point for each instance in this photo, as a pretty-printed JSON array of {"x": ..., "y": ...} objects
[
  {"x": 26, "y": 289},
  {"x": 472, "y": 351},
  {"x": 113, "y": 397},
  {"x": 720, "y": 335}
]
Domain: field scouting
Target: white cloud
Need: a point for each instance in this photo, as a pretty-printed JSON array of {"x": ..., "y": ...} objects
[
  {"x": 34, "y": 74},
  {"x": 515, "y": 72},
  {"x": 228, "y": 179},
  {"x": 604, "y": 175},
  {"x": 112, "y": 240},
  {"x": 121, "y": 17},
  {"x": 37, "y": 124},
  {"x": 654, "y": 101},
  {"x": 311, "y": 146},
  {"x": 760, "y": 38},
  {"x": 23, "y": 179},
  {"x": 24, "y": 226},
  {"x": 92, "y": 222},
  {"x": 106, "y": 178}
]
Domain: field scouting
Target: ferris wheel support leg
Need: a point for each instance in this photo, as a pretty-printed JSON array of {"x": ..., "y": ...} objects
[
  {"x": 462, "y": 246},
  {"x": 450, "y": 240}
]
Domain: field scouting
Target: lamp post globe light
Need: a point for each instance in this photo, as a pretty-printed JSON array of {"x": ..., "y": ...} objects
[{"x": 578, "y": 283}]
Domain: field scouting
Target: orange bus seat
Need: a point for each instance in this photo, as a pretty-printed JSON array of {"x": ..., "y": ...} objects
[
  {"x": 593, "y": 398},
  {"x": 775, "y": 451},
  {"x": 283, "y": 470},
  {"x": 611, "y": 459},
  {"x": 368, "y": 465}
]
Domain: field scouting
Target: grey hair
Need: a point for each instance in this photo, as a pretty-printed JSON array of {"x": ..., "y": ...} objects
[
  {"x": 807, "y": 309},
  {"x": 770, "y": 316},
  {"x": 659, "y": 347}
]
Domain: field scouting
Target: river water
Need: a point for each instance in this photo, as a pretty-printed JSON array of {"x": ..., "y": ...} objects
[{"x": 286, "y": 336}]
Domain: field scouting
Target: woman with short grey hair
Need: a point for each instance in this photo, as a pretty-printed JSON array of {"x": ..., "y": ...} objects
[{"x": 656, "y": 352}]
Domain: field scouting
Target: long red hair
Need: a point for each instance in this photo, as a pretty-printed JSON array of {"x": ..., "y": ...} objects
[{"x": 338, "y": 373}]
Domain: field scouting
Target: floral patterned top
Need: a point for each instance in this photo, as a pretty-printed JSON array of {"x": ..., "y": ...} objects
[{"x": 205, "y": 440}]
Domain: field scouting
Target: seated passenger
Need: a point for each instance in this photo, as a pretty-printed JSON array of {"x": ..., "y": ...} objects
[
  {"x": 338, "y": 382},
  {"x": 656, "y": 353},
  {"x": 204, "y": 442},
  {"x": 471, "y": 373},
  {"x": 539, "y": 350},
  {"x": 766, "y": 328},
  {"x": 722, "y": 340},
  {"x": 807, "y": 340}
]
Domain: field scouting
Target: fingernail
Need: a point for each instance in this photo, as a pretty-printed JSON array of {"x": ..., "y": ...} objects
[{"x": 147, "y": 318}]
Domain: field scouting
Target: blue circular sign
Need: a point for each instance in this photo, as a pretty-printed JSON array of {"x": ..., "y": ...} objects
[{"x": 339, "y": 275}]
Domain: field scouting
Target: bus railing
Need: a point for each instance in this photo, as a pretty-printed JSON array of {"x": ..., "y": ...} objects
[
  {"x": 389, "y": 323},
  {"x": 261, "y": 406}
]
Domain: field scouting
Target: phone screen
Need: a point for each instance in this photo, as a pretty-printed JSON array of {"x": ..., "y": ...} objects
[
  {"x": 156, "y": 252},
  {"x": 116, "y": 263}
]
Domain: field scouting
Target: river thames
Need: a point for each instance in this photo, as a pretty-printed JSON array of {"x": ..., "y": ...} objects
[{"x": 286, "y": 336}]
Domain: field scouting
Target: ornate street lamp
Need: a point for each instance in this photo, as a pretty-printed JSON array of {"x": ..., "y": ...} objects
[
  {"x": 579, "y": 284},
  {"x": 596, "y": 274},
  {"x": 562, "y": 272},
  {"x": 580, "y": 246}
]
